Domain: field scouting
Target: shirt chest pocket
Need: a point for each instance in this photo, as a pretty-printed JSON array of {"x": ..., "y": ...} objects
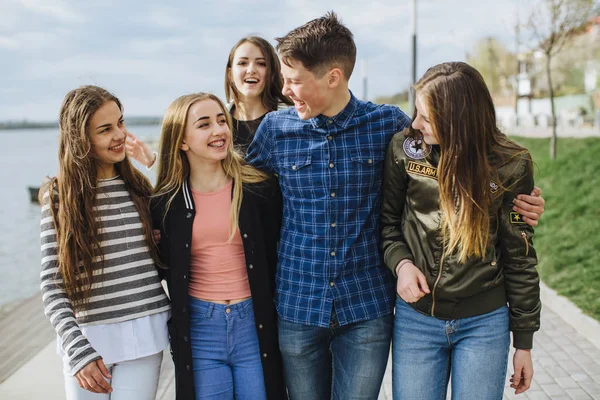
[
  {"x": 366, "y": 171},
  {"x": 295, "y": 173}
]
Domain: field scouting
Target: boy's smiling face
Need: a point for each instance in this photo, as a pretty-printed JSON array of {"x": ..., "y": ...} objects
[{"x": 311, "y": 95}]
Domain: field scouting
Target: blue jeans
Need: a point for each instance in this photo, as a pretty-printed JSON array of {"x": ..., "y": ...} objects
[
  {"x": 338, "y": 362},
  {"x": 427, "y": 352},
  {"x": 225, "y": 352}
]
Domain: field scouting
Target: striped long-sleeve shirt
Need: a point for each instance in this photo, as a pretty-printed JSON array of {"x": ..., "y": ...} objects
[{"x": 127, "y": 287}]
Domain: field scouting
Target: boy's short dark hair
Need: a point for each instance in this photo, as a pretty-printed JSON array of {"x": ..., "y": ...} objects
[{"x": 320, "y": 44}]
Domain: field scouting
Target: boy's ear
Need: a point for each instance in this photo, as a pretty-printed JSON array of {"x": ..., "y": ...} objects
[{"x": 335, "y": 77}]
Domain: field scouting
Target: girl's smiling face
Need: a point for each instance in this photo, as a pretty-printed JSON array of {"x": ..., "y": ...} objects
[{"x": 207, "y": 134}]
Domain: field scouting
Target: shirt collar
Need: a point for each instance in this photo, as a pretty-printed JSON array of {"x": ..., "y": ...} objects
[{"x": 342, "y": 119}]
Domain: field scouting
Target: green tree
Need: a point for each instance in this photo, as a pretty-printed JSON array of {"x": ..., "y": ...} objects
[
  {"x": 551, "y": 23},
  {"x": 495, "y": 62}
]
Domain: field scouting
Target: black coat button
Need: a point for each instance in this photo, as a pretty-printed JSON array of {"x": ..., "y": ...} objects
[
  {"x": 185, "y": 339},
  {"x": 188, "y": 215}
]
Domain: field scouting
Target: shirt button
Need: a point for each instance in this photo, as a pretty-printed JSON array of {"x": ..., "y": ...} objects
[
  {"x": 370, "y": 161},
  {"x": 333, "y": 224},
  {"x": 185, "y": 339},
  {"x": 250, "y": 266},
  {"x": 493, "y": 263},
  {"x": 331, "y": 165},
  {"x": 330, "y": 121},
  {"x": 245, "y": 235},
  {"x": 331, "y": 284},
  {"x": 294, "y": 167},
  {"x": 260, "y": 326},
  {"x": 188, "y": 215},
  {"x": 329, "y": 137},
  {"x": 332, "y": 254},
  {"x": 332, "y": 194},
  {"x": 228, "y": 310}
]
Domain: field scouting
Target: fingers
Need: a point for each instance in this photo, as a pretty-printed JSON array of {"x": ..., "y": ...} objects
[
  {"x": 131, "y": 136},
  {"x": 91, "y": 378},
  {"x": 424, "y": 287},
  {"x": 101, "y": 384},
  {"x": 526, "y": 213},
  {"x": 156, "y": 236},
  {"x": 526, "y": 200},
  {"x": 536, "y": 191},
  {"x": 103, "y": 370},
  {"x": 516, "y": 378}
]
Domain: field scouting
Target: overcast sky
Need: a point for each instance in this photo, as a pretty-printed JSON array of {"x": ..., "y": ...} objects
[{"x": 149, "y": 52}]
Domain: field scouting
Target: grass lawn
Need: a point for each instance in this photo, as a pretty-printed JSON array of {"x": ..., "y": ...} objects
[{"x": 568, "y": 238}]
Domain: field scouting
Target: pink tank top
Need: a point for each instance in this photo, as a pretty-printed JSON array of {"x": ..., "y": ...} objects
[{"x": 217, "y": 268}]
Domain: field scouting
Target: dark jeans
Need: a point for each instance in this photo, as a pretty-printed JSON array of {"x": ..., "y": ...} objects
[{"x": 339, "y": 362}]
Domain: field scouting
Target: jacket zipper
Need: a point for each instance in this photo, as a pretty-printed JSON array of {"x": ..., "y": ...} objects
[
  {"x": 524, "y": 236},
  {"x": 434, "y": 287}
]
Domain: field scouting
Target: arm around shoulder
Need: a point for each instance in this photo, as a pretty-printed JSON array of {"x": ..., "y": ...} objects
[
  {"x": 394, "y": 189},
  {"x": 519, "y": 258}
]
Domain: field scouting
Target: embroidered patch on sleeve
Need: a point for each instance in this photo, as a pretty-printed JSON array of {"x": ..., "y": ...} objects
[
  {"x": 416, "y": 148},
  {"x": 421, "y": 169},
  {"x": 516, "y": 218}
]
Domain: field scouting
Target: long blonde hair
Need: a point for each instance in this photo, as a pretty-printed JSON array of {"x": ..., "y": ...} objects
[
  {"x": 76, "y": 183},
  {"x": 463, "y": 118},
  {"x": 174, "y": 167}
]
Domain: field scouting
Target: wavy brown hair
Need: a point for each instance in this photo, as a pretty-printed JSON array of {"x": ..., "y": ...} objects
[
  {"x": 271, "y": 95},
  {"x": 174, "y": 167},
  {"x": 74, "y": 193},
  {"x": 463, "y": 120}
]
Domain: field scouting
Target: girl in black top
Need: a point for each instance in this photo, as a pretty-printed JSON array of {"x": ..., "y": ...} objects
[{"x": 253, "y": 84}]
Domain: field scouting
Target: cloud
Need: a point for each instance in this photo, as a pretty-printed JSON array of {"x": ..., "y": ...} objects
[{"x": 57, "y": 9}]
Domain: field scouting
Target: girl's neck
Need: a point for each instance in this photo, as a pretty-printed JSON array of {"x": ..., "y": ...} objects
[
  {"x": 208, "y": 177},
  {"x": 106, "y": 171},
  {"x": 249, "y": 109}
]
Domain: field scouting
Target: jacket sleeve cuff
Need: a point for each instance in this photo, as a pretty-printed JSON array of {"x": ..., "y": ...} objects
[
  {"x": 523, "y": 340},
  {"x": 396, "y": 255}
]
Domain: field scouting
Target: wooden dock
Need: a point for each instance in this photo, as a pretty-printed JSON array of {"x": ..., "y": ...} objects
[{"x": 25, "y": 331}]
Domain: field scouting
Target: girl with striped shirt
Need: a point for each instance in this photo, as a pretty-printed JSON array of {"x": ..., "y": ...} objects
[{"x": 100, "y": 286}]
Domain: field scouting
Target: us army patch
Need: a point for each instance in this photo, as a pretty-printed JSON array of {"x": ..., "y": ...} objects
[
  {"x": 494, "y": 187},
  {"x": 415, "y": 148},
  {"x": 516, "y": 218},
  {"x": 421, "y": 169}
]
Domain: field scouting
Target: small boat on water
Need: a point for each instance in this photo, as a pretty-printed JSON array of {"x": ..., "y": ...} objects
[{"x": 33, "y": 193}]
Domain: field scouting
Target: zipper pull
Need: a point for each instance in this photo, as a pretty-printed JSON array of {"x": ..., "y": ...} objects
[{"x": 524, "y": 236}]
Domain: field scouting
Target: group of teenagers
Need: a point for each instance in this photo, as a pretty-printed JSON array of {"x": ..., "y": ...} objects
[{"x": 299, "y": 230}]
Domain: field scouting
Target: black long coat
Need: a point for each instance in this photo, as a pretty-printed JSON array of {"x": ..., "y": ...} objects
[{"x": 259, "y": 224}]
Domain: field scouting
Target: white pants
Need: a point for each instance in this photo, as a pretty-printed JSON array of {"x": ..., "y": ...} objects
[{"x": 131, "y": 380}]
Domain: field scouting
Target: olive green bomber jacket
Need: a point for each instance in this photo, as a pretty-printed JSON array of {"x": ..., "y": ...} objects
[{"x": 411, "y": 229}]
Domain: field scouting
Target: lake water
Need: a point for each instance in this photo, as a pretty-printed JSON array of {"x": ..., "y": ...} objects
[{"x": 26, "y": 157}]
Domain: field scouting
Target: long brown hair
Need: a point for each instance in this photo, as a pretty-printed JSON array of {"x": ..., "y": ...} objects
[
  {"x": 73, "y": 194},
  {"x": 271, "y": 95},
  {"x": 174, "y": 167},
  {"x": 463, "y": 120}
]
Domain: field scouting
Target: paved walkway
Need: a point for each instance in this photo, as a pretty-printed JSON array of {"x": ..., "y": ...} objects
[{"x": 567, "y": 366}]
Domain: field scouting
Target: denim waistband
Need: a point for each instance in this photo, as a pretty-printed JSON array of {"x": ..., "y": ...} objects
[{"x": 207, "y": 308}]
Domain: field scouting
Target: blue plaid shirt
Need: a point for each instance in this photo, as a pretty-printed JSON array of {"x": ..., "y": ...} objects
[{"x": 330, "y": 172}]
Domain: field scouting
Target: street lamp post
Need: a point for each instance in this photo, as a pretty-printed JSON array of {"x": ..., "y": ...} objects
[{"x": 413, "y": 69}]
